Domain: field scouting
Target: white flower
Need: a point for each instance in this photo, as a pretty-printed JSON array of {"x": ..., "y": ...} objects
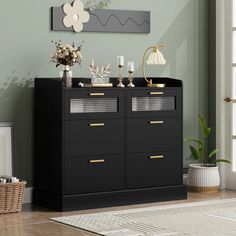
[{"x": 75, "y": 15}]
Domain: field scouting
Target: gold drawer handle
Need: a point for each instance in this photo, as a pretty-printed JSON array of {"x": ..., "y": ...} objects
[
  {"x": 156, "y": 93},
  {"x": 97, "y": 125},
  {"x": 156, "y": 157},
  {"x": 96, "y": 161},
  {"x": 97, "y": 94},
  {"x": 155, "y": 122}
]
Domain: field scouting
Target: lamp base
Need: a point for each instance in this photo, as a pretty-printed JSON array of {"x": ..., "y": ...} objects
[{"x": 151, "y": 85}]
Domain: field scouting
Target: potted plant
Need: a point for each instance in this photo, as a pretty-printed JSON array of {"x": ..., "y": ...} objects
[{"x": 203, "y": 177}]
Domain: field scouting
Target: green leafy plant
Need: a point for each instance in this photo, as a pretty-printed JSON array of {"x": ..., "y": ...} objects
[
  {"x": 199, "y": 152},
  {"x": 101, "y": 4}
]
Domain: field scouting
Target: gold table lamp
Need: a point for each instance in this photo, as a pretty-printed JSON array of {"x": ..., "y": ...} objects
[{"x": 154, "y": 58}]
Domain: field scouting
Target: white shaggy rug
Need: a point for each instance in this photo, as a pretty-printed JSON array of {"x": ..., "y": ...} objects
[{"x": 211, "y": 218}]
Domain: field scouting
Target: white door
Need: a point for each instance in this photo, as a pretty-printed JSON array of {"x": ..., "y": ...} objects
[{"x": 226, "y": 89}]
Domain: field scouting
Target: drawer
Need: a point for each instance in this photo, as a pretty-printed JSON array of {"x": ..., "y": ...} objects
[
  {"x": 150, "y": 135},
  {"x": 94, "y": 104},
  {"x": 93, "y": 174},
  {"x": 94, "y": 137},
  {"x": 154, "y": 169},
  {"x": 154, "y": 102}
]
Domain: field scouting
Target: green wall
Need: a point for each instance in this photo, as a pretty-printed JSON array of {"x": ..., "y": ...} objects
[{"x": 25, "y": 49}]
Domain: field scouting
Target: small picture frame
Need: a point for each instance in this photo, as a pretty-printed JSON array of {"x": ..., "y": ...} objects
[{"x": 7, "y": 148}]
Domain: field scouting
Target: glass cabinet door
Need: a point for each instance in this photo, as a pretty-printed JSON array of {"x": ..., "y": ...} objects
[
  {"x": 94, "y": 104},
  {"x": 154, "y": 103}
]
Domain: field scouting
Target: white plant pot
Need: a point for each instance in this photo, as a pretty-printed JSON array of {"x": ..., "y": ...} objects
[{"x": 203, "y": 179}]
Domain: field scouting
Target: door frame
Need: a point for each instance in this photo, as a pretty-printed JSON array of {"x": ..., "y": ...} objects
[{"x": 223, "y": 88}]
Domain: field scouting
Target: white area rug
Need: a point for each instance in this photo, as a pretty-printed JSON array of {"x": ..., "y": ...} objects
[{"x": 211, "y": 218}]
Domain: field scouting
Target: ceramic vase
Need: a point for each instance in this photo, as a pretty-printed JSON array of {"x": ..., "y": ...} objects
[
  {"x": 203, "y": 179},
  {"x": 67, "y": 76}
]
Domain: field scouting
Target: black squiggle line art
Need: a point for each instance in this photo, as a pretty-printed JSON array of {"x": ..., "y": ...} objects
[{"x": 146, "y": 21}]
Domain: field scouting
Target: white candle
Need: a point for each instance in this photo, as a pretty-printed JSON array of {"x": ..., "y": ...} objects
[
  {"x": 120, "y": 61},
  {"x": 130, "y": 66}
]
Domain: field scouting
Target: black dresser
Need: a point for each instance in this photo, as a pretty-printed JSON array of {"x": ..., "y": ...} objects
[{"x": 98, "y": 147}]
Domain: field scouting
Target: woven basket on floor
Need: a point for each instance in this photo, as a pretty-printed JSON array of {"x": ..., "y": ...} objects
[{"x": 11, "y": 197}]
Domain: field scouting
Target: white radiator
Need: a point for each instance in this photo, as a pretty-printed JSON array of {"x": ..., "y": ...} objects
[{"x": 5, "y": 150}]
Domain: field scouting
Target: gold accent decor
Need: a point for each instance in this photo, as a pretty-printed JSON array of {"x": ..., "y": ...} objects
[
  {"x": 97, "y": 94},
  {"x": 97, "y": 125},
  {"x": 107, "y": 85},
  {"x": 156, "y": 157},
  {"x": 156, "y": 122},
  {"x": 151, "y": 85},
  {"x": 99, "y": 74},
  {"x": 131, "y": 79},
  {"x": 160, "y": 85},
  {"x": 199, "y": 189},
  {"x": 96, "y": 161},
  {"x": 155, "y": 50},
  {"x": 156, "y": 93},
  {"x": 120, "y": 77}
]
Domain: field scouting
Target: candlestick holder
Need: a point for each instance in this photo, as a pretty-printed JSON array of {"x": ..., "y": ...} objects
[
  {"x": 120, "y": 77},
  {"x": 131, "y": 79}
]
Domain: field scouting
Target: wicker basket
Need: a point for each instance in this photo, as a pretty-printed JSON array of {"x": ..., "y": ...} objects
[{"x": 11, "y": 197}]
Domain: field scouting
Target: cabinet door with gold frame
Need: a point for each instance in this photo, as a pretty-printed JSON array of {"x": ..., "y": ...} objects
[
  {"x": 94, "y": 104},
  {"x": 154, "y": 102}
]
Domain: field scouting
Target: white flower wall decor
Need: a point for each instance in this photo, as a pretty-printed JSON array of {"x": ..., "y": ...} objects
[
  {"x": 76, "y": 16},
  {"x": 95, "y": 17}
]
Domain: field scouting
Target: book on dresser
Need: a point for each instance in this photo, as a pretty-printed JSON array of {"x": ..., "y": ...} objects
[{"x": 98, "y": 147}]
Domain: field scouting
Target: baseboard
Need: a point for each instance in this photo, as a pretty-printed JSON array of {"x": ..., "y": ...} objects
[
  {"x": 28, "y": 195},
  {"x": 29, "y": 191},
  {"x": 108, "y": 199},
  {"x": 185, "y": 176}
]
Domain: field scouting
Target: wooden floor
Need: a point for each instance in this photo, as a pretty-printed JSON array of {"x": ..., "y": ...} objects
[{"x": 35, "y": 222}]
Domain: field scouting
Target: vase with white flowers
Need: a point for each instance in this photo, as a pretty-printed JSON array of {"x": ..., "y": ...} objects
[
  {"x": 203, "y": 177},
  {"x": 67, "y": 56}
]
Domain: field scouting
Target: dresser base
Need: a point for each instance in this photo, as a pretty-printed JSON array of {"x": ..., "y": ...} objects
[{"x": 108, "y": 199}]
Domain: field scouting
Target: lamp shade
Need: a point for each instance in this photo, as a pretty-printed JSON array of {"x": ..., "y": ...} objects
[{"x": 156, "y": 58}]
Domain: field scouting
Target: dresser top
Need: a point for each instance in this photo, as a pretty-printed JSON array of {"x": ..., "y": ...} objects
[{"x": 139, "y": 82}]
